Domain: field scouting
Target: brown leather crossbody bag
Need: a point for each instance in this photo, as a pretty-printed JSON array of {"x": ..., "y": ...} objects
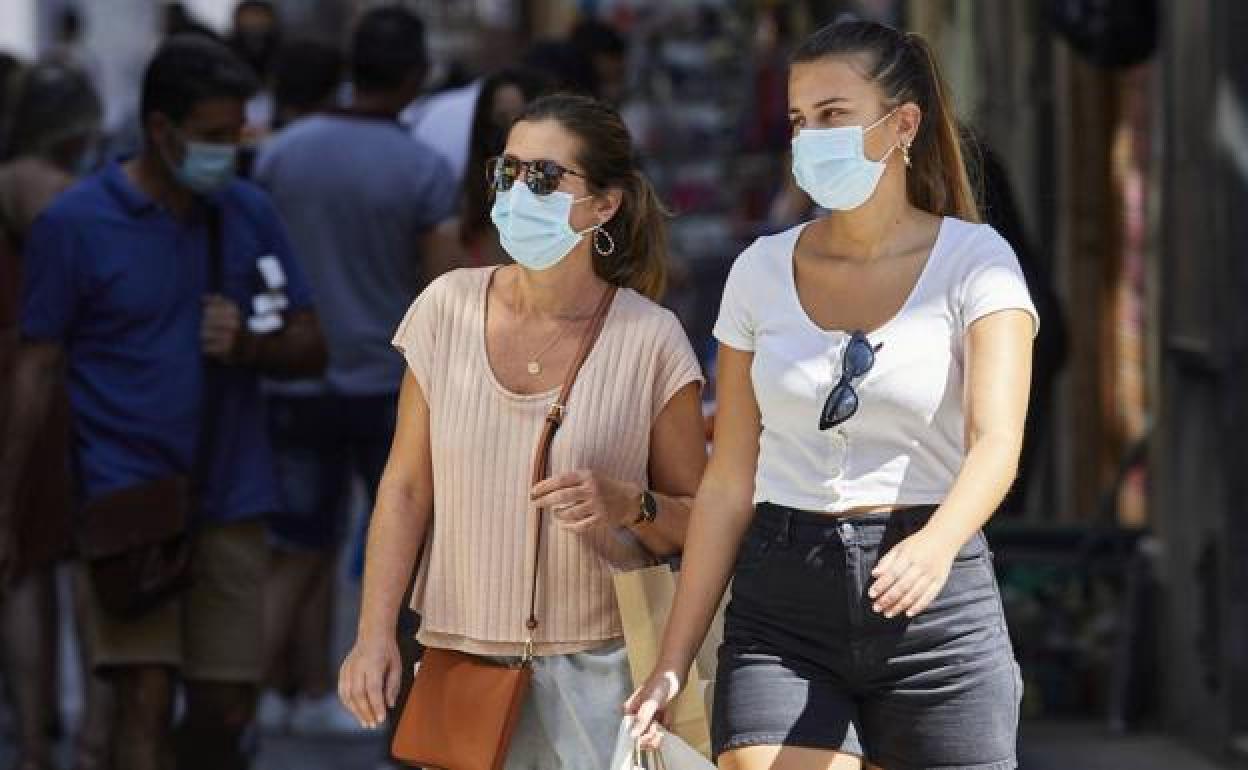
[{"x": 462, "y": 709}]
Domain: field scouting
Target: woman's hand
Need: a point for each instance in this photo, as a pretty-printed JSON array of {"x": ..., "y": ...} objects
[
  {"x": 368, "y": 681},
  {"x": 648, "y": 705},
  {"x": 912, "y": 574},
  {"x": 582, "y": 501}
]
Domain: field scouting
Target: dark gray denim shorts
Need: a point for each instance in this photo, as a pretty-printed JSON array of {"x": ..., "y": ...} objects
[{"x": 805, "y": 662}]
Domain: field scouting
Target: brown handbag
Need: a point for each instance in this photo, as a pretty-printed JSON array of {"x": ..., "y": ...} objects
[
  {"x": 462, "y": 709},
  {"x": 135, "y": 545}
]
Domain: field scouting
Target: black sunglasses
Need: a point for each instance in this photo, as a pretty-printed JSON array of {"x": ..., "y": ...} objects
[
  {"x": 856, "y": 361},
  {"x": 542, "y": 176}
]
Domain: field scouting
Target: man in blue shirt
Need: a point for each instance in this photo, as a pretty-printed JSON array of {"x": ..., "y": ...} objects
[
  {"x": 119, "y": 290},
  {"x": 363, "y": 200}
]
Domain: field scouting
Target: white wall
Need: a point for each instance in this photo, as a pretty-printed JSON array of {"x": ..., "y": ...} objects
[
  {"x": 216, "y": 13},
  {"x": 17, "y": 27}
]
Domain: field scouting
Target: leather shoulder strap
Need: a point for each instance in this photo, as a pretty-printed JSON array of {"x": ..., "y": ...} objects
[{"x": 541, "y": 456}]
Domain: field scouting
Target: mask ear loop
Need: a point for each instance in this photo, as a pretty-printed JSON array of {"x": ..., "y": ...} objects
[{"x": 905, "y": 148}]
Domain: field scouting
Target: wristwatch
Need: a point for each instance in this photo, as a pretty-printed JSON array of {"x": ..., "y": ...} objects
[{"x": 647, "y": 508}]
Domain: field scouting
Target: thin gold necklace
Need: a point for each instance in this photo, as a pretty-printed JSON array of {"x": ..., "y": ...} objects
[{"x": 534, "y": 366}]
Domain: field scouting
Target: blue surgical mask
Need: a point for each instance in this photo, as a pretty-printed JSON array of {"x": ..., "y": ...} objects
[
  {"x": 534, "y": 229},
  {"x": 832, "y": 167},
  {"x": 206, "y": 167}
]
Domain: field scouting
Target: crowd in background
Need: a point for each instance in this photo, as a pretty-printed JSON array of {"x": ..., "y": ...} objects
[
  {"x": 360, "y": 189},
  {"x": 356, "y": 200}
]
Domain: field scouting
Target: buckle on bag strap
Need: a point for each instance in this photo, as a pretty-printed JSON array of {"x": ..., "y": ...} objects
[{"x": 556, "y": 413}]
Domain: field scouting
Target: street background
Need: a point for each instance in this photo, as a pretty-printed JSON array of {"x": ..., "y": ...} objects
[{"x": 1116, "y": 134}]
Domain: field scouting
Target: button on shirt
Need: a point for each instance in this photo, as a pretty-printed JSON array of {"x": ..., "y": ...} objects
[
  {"x": 905, "y": 444},
  {"x": 119, "y": 282}
]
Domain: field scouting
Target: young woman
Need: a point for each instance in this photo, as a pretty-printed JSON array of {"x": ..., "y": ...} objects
[
  {"x": 487, "y": 349},
  {"x": 873, "y": 382}
]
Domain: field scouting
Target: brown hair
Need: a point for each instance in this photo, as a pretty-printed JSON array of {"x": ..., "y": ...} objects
[
  {"x": 639, "y": 227},
  {"x": 904, "y": 67},
  {"x": 488, "y": 140}
]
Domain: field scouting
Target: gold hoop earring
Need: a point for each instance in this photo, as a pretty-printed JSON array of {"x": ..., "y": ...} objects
[{"x": 607, "y": 250}]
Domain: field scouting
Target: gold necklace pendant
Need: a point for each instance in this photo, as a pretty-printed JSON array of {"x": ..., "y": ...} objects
[{"x": 534, "y": 368}]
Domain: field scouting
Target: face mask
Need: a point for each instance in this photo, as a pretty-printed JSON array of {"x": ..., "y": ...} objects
[
  {"x": 207, "y": 168},
  {"x": 534, "y": 229},
  {"x": 831, "y": 166}
]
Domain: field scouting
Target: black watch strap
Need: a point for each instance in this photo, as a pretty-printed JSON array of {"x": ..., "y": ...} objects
[{"x": 648, "y": 508}]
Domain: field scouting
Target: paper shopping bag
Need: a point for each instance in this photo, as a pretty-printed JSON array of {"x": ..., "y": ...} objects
[
  {"x": 645, "y": 599},
  {"x": 673, "y": 754}
]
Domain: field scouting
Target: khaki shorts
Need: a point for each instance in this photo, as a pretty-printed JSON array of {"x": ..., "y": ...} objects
[{"x": 213, "y": 632}]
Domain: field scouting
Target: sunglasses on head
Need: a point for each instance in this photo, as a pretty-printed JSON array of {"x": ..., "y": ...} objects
[
  {"x": 856, "y": 361},
  {"x": 541, "y": 176}
]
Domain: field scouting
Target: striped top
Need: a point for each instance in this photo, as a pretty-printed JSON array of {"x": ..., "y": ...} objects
[{"x": 471, "y": 588}]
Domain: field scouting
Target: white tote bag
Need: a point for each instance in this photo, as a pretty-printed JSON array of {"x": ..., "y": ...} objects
[{"x": 673, "y": 753}]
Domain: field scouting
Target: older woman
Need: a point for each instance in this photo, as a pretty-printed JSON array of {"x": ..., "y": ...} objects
[{"x": 487, "y": 350}]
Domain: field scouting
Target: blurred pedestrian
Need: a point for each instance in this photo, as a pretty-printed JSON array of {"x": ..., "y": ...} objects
[
  {"x": 52, "y": 126},
  {"x": 166, "y": 288},
  {"x": 363, "y": 201},
  {"x": 874, "y": 366},
  {"x": 1052, "y": 342},
  {"x": 486, "y": 349},
  {"x": 256, "y": 37},
  {"x": 605, "y": 50},
  {"x": 307, "y": 79},
  {"x": 504, "y": 97}
]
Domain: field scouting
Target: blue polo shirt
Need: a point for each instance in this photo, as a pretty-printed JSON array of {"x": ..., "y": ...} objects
[{"x": 118, "y": 282}]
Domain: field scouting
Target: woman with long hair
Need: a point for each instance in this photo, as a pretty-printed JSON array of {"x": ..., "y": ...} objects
[
  {"x": 873, "y": 379},
  {"x": 502, "y": 99},
  {"x": 487, "y": 349}
]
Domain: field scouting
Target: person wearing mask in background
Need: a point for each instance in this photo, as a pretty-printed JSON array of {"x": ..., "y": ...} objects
[
  {"x": 873, "y": 375},
  {"x": 256, "y": 37},
  {"x": 486, "y": 348},
  {"x": 53, "y": 124},
  {"x": 504, "y": 95},
  {"x": 166, "y": 288},
  {"x": 363, "y": 201}
]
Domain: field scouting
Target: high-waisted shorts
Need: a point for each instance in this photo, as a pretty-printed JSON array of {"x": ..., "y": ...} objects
[{"x": 806, "y": 662}]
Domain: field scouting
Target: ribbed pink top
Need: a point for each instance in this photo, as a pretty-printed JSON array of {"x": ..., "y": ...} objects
[{"x": 471, "y": 589}]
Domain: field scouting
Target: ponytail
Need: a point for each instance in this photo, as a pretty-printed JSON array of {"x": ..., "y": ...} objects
[
  {"x": 905, "y": 69},
  {"x": 639, "y": 231},
  {"x": 939, "y": 180}
]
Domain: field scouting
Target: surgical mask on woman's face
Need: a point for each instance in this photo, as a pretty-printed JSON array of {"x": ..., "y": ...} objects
[
  {"x": 206, "y": 167},
  {"x": 534, "y": 229},
  {"x": 832, "y": 167}
]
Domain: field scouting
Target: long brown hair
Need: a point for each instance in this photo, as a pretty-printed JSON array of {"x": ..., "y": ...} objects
[
  {"x": 487, "y": 140},
  {"x": 639, "y": 227},
  {"x": 904, "y": 67}
]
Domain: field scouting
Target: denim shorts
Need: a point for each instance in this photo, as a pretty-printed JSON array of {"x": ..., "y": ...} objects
[
  {"x": 806, "y": 662},
  {"x": 319, "y": 443}
]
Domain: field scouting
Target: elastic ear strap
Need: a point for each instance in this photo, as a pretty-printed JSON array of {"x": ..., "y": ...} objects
[{"x": 554, "y": 418}]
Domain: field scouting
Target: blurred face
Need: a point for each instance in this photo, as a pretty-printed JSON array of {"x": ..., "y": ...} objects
[
  {"x": 215, "y": 122},
  {"x": 611, "y": 72},
  {"x": 254, "y": 24},
  {"x": 832, "y": 92},
  {"x": 507, "y": 106},
  {"x": 549, "y": 140}
]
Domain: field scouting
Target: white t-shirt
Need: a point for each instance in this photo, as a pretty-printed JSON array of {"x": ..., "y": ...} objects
[{"x": 905, "y": 444}]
